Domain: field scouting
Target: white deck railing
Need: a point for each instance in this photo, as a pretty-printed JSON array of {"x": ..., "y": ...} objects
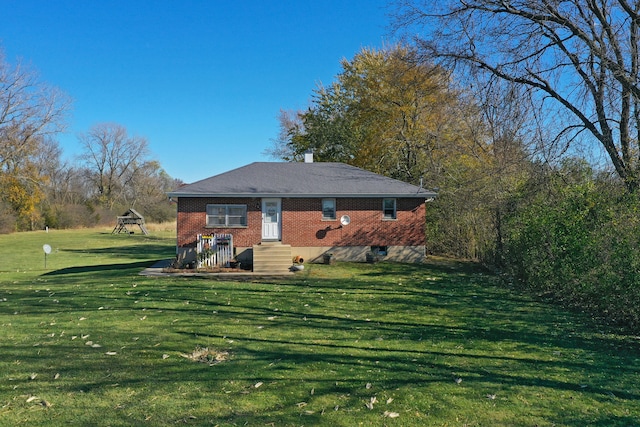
[{"x": 214, "y": 250}]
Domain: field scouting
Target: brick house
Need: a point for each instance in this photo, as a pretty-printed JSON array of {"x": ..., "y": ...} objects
[{"x": 310, "y": 208}]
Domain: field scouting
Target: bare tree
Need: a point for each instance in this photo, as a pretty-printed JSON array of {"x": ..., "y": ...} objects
[
  {"x": 291, "y": 124},
  {"x": 29, "y": 111},
  {"x": 579, "y": 59},
  {"x": 112, "y": 159}
]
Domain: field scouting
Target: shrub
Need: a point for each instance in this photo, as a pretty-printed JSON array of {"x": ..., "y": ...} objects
[{"x": 579, "y": 244}]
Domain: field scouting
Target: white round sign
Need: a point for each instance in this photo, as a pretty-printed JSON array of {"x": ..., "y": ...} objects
[
  {"x": 46, "y": 249},
  {"x": 345, "y": 220}
]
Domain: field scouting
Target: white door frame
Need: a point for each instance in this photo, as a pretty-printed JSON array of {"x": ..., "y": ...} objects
[{"x": 271, "y": 221}]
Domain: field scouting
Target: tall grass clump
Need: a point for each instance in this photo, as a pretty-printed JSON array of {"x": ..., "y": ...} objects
[{"x": 578, "y": 243}]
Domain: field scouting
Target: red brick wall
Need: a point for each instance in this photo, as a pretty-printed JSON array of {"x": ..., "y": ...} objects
[
  {"x": 192, "y": 220},
  {"x": 302, "y": 223}
]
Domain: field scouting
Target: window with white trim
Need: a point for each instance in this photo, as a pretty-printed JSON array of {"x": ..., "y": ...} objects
[
  {"x": 389, "y": 208},
  {"x": 226, "y": 215},
  {"x": 328, "y": 209}
]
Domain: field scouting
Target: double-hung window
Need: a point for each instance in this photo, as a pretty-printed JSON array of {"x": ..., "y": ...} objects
[
  {"x": 328, "y": 209},
  {"x": 226, "y": 215},
  {"x": 389, "y": 208}
]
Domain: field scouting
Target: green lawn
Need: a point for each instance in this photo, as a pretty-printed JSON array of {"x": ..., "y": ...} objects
[{"x": 87, "y": 341}]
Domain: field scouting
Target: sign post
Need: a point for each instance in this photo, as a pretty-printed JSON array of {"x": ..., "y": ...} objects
[{"x": 47, "y": 250}]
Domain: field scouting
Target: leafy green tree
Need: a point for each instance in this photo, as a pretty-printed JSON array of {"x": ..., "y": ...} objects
[
  {"x": 23, "y": 197},
  {"x": 391, "y": 112},
  {"x": 388, "y": 111}
]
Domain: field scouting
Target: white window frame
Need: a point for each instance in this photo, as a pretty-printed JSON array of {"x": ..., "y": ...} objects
[
  {"x": 332, "y": 217},
  {"x": 229, "y": 216},
  {"x": 393, "y": 215}
]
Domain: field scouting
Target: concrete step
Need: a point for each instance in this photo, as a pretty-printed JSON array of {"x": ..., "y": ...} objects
[{"x": 271, "y": 258}]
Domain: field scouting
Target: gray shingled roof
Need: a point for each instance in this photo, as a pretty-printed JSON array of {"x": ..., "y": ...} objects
[{"x": 319, "y": 179}]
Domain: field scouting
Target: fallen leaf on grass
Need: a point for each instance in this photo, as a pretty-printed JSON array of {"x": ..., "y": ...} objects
[
  {"x": 258, "y": 384},
  {"x": 370, "y": 403},
  {"x": 111, "y": 353},
  {"x": 56, "y": 376},
  {"x": 32, "y": 398},
  {"x": 391, "y": 414},
  {"x": 165, "y": 356}
]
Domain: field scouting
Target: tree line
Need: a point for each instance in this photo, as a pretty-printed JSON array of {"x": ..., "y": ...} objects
[
  {"x": 525, "y": 116},
  {"x": 38, "y": 188}
]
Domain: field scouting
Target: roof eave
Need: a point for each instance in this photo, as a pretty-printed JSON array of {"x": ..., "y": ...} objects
[{"x": 425, "y": 195}]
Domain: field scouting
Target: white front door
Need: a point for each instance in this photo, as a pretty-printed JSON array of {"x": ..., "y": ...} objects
[{"x": 271, "y": 219}]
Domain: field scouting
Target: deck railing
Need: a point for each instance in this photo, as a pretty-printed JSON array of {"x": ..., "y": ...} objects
[{"x": 214, "y": 250}]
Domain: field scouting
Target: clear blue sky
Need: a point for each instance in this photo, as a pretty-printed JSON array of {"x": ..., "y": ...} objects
[{"x": 203, "y": 81}]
